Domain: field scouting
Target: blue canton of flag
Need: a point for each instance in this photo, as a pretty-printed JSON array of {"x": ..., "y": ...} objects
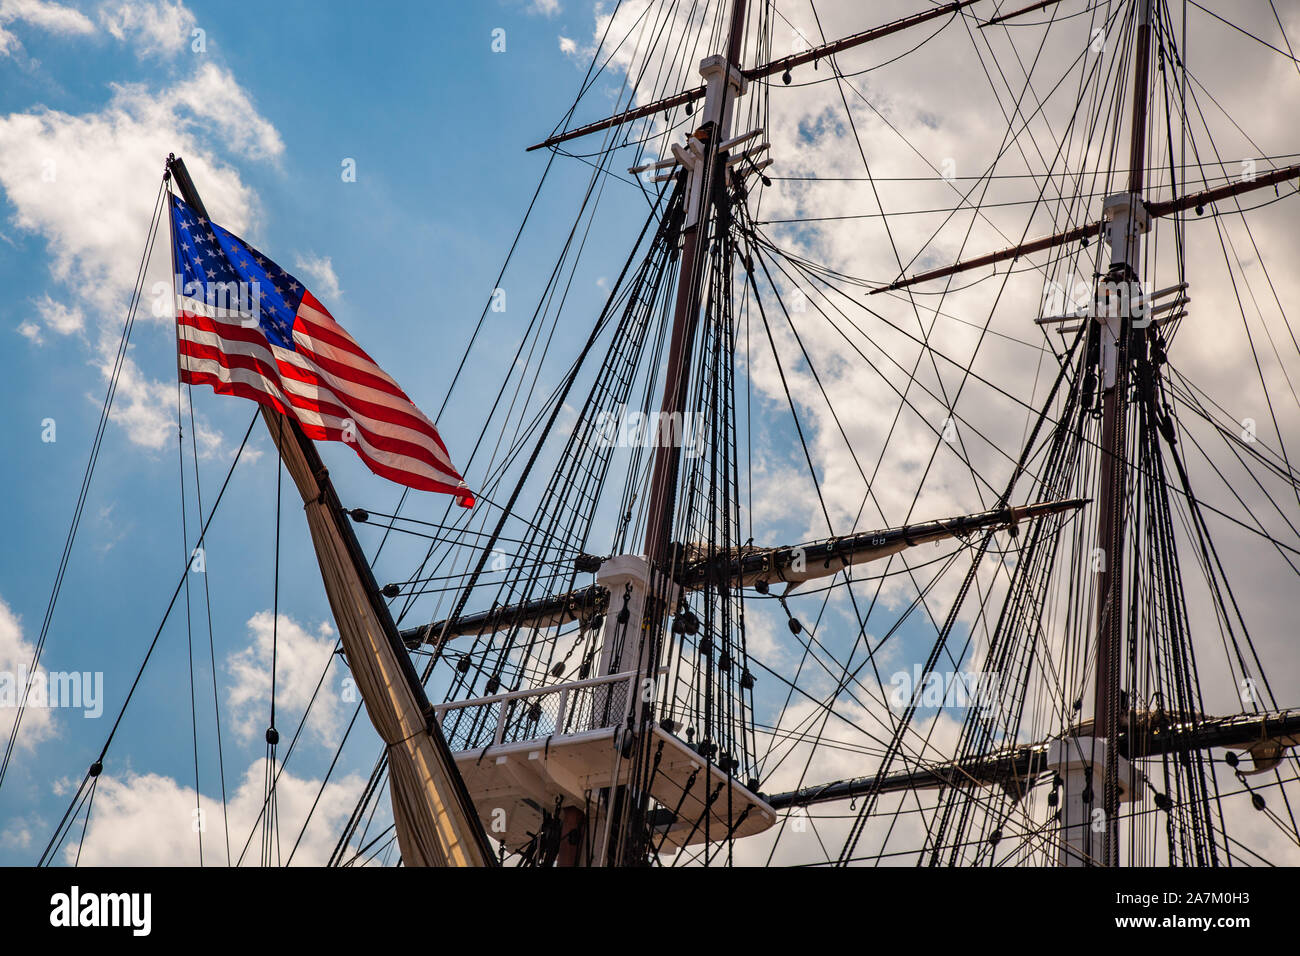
[{"x": 214, "y": 258}]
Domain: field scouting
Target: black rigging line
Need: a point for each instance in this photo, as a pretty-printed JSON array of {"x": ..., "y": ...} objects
[
  {"x": 1118, "y": 171},
  {"x": 1285, "y": 39},
  {"x": 85, "y": 824},
  {"x": 941, "y": 639},
  {"x": 97, "y": 767},
  {"x": 118, "y": 362},
  {"x": 701, "y": 517},
  {"x": 324, "y": 782},
  {"x": 271, "y": 816},
  {"x": 189, "y": 620},
  {"x": 519, "y": 351},
  {"x": 478, "y": 327},
  {"x": 555, "y": 406},
  {"x": 1015, "y": 399},
  {"x": 212, "y": 650},
  {"x": 1242, "y": 30},
  {"x": 976, "y": 735}
]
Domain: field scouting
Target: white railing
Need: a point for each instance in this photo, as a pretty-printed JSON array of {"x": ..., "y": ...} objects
[{"x": 569, "y": 708}]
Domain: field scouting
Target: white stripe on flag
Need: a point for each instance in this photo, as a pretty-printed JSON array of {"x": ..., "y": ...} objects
[
  {"x": 261, "y": 383},
  {"x": 296, "y": 388}
]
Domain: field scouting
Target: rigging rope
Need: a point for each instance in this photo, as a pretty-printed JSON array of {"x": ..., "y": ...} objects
[{"x": 119, "y": 361}]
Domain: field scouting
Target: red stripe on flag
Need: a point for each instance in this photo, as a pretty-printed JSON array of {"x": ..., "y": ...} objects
[
  {"x": 326, "y": 379},
  {"x": 390, "y": 443},
  {"x": 318, "y": 433},
  {"x": 351, "y": 405},
  {"x": 335, "y": 376}
]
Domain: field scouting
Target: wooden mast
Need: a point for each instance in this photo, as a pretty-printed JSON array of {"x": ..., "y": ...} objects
[
  {"x": 686, "y": 312},
  {"x": 1112, "y": 484},
  {"x": 1126, "y": 217},
  {"x": 642, "y": 576}
]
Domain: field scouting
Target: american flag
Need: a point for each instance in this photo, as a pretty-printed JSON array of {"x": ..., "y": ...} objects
[{"x": 249, "y": 328}]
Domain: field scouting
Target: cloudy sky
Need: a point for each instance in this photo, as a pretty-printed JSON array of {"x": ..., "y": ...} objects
[{"x": 94, "y": 96}]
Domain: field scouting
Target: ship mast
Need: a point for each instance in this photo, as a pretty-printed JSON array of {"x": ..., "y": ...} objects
[
  {"x": 1095, "y": 762},
  {"x": 646, "y": 580},
  {"x": 599, "y": 759},
  {"x": 1127, "y": 219},
  {"x": 724, "y": 84},
  {"x": 725, "y": 80}
]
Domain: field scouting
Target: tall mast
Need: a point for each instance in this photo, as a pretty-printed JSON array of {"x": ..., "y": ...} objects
[
  {"x": 1089, "y": 838},
  {"x": 724, "y": 83},
  {"x": 1127, "y": 224},
  {"x": 633, "y": 575}
]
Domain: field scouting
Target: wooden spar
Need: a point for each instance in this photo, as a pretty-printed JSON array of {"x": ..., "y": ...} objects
[
  {"x": 677, "y": 99},
  {"x": 1208, "y": 196},
  {"x": 768, "y": 69},
  {"x": 1017, "y": 768},
  {"x": 821, "y": 559},
  {"x": 1112, "y": 484},
  {"x": 1156, "y": 210},
  {"x": 1003, "y": 17},
  {"x": 1015, "y": 252},
  {"x": 856, "y": 39},
  {"x": 435, "y": 819}
]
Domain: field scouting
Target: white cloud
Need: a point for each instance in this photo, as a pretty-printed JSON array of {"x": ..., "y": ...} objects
[
  {"x": 17, "y": 835},
  {"x": 86, "y": 184},
  {"x": 568, "y": 46},
  {"x": 15, "y": 659},
  {"x": 31, "y": 331},
  {"x": 144, "y": 407},
  {"x": 214, "y": 97},
  {"x": 153, "y": 28},
  {"x": 547, "y": 8},
  {"x": 148, "y": 820},
  {"x": 50, "y": 17},
  {"x": 325, "y": 282},
  {"x": 55, "y": 167},
  {"x": 301, "y": 658},
  {"x": 766, "y": 634},
  {"x": 59, "y": 317}
]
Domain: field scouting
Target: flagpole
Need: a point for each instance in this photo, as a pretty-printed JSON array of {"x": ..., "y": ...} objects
[{"x": 445, "y": 823}]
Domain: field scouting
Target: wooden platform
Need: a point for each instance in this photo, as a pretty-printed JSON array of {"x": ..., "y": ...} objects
[{"x": 519, "y": 752}]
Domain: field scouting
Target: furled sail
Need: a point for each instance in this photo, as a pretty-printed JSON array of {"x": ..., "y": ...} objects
[{"x": 436, "y": 824}]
